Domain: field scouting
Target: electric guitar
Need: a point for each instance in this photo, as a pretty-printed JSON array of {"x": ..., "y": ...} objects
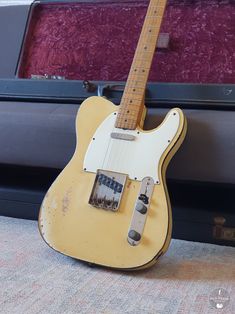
[{"x": 110, "y": 204}]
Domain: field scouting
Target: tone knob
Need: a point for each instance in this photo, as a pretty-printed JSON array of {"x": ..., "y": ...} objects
[
  {"x": 141, "y": 208},
  {"x": 134, "y": 235}
]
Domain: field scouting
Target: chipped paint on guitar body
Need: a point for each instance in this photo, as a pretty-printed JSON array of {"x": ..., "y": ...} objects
[{"x": 71, "y": 226}]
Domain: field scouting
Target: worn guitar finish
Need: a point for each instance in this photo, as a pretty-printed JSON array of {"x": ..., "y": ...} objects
[{"x": 110, "y": 205}]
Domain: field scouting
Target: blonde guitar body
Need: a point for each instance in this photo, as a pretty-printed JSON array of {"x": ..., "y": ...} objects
[{"x": 71, "y": 225}]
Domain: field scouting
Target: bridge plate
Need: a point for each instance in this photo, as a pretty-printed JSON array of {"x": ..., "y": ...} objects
[{"x": 107, "y": 190}]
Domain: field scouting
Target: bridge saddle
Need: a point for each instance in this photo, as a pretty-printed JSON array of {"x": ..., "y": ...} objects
[{"x": 107, "y": 190}]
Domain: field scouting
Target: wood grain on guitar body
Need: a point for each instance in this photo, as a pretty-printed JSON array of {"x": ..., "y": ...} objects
[{"x": 110, "y": 205}]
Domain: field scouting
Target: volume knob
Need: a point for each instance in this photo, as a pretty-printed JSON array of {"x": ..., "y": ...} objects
[{"x": 141, "y": 208}]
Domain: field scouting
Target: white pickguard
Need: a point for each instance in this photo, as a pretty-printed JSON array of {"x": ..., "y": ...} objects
[{"x": 139, "y": 158}]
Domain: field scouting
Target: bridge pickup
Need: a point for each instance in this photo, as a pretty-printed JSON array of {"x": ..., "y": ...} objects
[
  {"x": 107, "y": 190},
  {"x": 140, "y": 212}
]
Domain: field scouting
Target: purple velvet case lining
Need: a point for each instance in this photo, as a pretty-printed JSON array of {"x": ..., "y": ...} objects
[{"x": 96, "y": 41}]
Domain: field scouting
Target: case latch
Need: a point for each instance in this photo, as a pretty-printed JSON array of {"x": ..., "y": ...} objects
[{"x": 223, "y": 233}]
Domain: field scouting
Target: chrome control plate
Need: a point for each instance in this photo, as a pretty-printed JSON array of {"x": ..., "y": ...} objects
[
  {"x": 107, "y": 190},
  {"x": 140, "y": 212}
]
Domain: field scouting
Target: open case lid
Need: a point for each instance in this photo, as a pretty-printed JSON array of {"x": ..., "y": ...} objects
[{"x": 95, "y": 40}]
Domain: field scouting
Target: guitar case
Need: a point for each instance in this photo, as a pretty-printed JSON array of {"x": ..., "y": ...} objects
[{"x": 57, "y": 53}]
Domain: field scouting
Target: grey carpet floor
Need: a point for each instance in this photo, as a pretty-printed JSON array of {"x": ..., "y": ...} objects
[{"x": 35, "y": 279}]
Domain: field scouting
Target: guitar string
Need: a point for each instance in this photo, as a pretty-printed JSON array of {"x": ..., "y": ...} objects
[
  {"x": 116, "y": 154},
  {"x": 125, "y": 144},
  {"x": 148, "y": 39}
]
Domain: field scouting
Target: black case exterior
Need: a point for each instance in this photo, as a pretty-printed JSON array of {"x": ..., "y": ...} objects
[
  {"x": 13, "y": 21},
  {"x": 201, "y": 211}
]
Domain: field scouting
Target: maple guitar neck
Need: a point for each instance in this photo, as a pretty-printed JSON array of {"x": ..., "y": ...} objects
[{"x": 132, "y": 103}]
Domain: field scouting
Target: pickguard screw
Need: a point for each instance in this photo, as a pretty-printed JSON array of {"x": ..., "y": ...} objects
[
  {"x": 169, "y": 141},
  {"x": 135, "y": 178},
  {"x": 93, "y": 138},
  {"x": 85, "y": 169}
]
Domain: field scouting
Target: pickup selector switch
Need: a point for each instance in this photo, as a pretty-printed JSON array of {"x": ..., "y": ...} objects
[
  {"x": 141, "y": 208},
  {"x": 144, "y": 198}
]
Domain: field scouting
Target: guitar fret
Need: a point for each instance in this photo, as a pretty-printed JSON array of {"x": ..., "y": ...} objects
[
  {"x": 127, "y": 117},
  {"x": 126, "y": 126},
  {"x": 141, "y": 62},
  {"x": 129, "y": 102},
  {"x": 132, "y": 108},
  {"x": 132, "y": 101},
  {"x": 129, "y": 110},
  {"x": 126, "y": 120},
  {"x": 154, "y": 19},
  {"x": 134, "y": 84},
  {"x": 139, "y": 74},
  {"x": 133, "y": 93},
  {"x": 142, "y": 68},
  {"x": 144, "y": 54},
  {"x": 130, "y": 113},
  {"x": 124, "y": 116},
  {"x": 126, "y": 108},
  {"x": 132, "y": 96}
]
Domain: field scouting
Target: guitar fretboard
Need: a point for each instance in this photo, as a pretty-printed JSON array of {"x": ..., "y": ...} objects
[{"x": 132, "y": 103}]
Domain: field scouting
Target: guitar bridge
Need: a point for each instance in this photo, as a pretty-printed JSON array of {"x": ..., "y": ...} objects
[{"x": 107, "y": 190}]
